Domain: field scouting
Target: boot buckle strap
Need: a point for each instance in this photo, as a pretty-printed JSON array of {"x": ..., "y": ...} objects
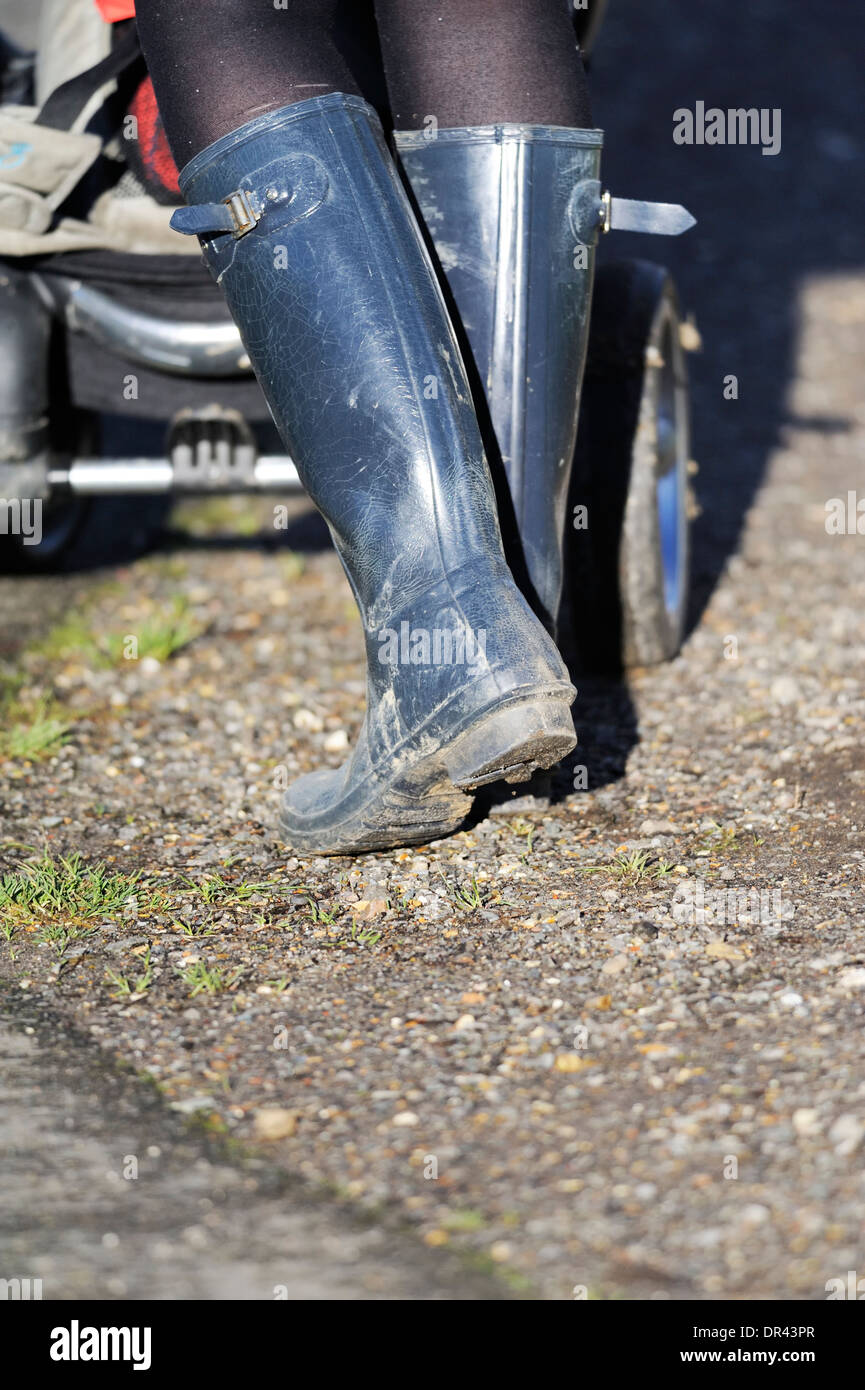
[
  {"x": 237, "y": 214},
  {"x": 634, "y": 215}
]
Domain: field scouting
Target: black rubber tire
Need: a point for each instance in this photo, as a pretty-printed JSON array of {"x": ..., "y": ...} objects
[
  {"x": 84, "y": 533},
  {"x": 622, "y": 607},
  {"x": 88, "y": 533}
]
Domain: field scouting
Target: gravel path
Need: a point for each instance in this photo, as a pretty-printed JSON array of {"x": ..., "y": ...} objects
[
  {"x": 105, "y": 1194},
  {"x": 550, "y": 1044}
]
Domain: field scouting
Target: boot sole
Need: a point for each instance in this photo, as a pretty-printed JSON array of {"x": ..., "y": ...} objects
[
  {"x": 430, "y": 798},
  {"x": 510, "y": 744}
]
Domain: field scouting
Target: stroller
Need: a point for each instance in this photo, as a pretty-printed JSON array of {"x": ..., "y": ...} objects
[{"x": 125, "y": 382}]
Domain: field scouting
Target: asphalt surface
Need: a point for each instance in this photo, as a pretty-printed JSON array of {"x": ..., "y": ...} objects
[
  {"x": 520, "y": 1044},
  {"x": 105, "y": 1194}
]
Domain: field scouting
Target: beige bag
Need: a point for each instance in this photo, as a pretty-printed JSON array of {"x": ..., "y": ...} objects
[{"x": 41, "y": 165}]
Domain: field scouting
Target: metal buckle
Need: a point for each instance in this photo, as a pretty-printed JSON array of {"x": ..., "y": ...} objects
[
  {"x": 243, "y": 214},
  {"x": 605, "y": 211}
]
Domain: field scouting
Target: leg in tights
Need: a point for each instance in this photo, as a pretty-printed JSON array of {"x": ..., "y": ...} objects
[
  {"x": 217, "y": 63},
  {"x": 481, "y": 62}
]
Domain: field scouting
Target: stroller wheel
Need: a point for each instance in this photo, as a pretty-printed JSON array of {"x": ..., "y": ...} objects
[
  {"x": 629, "y": 559},
  {"x": 84, "y": 533},
  {"x": 61, "y": 522}
]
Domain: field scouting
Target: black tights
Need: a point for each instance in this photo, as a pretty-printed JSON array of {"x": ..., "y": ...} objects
[{"x": 217, "y": 63}]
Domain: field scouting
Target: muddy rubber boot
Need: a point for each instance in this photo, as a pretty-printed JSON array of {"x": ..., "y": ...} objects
[
  {"x": 305, "y": 224},
  {"x": 513, "y": 212},
  {"x": 513, "y": 215}
]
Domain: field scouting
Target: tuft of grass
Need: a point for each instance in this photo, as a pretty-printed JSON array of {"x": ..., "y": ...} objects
[
  {"x": 218, "y": 515},
  {"x": 209, "y": 979},
  {"x": 524, "y": 827},
  {"x": 194, "y": 928},
  {"x": 319, "y": 915},
  {"x": 215, "y": 890},
  {"x": 80, "y": 636},
  {"x": 35, "y": 736},
  {"x": 363, "y": 936},
  {"x": 131, "y": 987},
  {"x": 162, "y": 636},
  {"x": 73, "y": 636},
  {"x": 632, "y": 868},
  {"x": 720, "y": 838},
  {"x": 163, "y": 566},
  {"x": 59, "y": 935},
  {"x": 464, "y": 1219},
  {"x": 68, "y": 887},
  {"x": 291, "y": 566},
  {"x": 466, "y": 896},
  {"x": 29, "y": 729}
]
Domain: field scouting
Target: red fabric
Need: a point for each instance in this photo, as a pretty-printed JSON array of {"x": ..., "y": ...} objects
[
  {"x": 152, "y": 144},
  {"x": 153, "y": 150},
  {"x": 112, "y": 10}
]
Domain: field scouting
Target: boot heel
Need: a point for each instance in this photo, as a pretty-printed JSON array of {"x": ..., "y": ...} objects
[{"x": 509, "y": 744}]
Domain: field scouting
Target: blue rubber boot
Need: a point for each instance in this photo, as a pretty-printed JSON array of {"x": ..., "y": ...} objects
[
  {"x": 514, "y": 213},
  {"x": 304, "y": 222}
]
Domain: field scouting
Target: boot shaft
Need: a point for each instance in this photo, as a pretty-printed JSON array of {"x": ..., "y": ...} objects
[
  {"x": 306, "y": 225},
  {"x": 513, "y": 213}
]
